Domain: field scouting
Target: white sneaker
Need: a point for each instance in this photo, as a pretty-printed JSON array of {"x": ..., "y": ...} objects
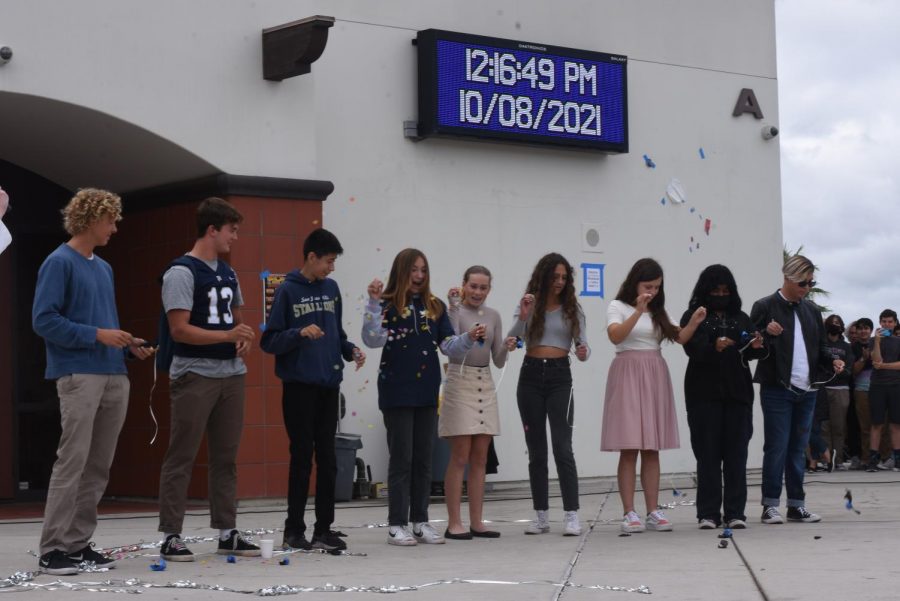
[
  {"x": 887, "y": 464},
  {"x": 426, "y": 534},
  {"x": 657, "y": 520},
  {"x": 706, "y": 524},
  {"x": 736, "y": 524},
  {"x": 539, "y": 525},
  {"x": 573, "y": 526},
  {"x": 632, "y": 523},
  {"x": 399, "y": 535}
]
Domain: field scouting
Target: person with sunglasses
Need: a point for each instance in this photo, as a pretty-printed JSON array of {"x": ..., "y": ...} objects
[{"x": 795, "y": 336}]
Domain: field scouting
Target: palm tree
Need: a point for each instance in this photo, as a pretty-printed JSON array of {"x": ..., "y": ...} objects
[{"x": 815, "y": 294}]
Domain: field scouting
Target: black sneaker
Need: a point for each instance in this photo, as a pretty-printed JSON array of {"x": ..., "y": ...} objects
[
  {"x": 174, "y": 549},
  {"x": 88, "y": 554},
  {"x": 295, "y": 540},
  {"x": 872, "y": 466},
  {"x": 800, "y": 514},
  {"x": 56, "y": 562},
  {"x": 328, "y": 541},
  {"x": 236, "y": 545},
  {"x": 770, "y": 515}
]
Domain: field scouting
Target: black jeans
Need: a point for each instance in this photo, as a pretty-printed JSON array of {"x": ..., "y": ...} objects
[
  {"x": 410, "y": 438},
  {"x": 545, "y": 386},
  {"x": 310, "y": 417},
  {"x": 720, "y": 433}
]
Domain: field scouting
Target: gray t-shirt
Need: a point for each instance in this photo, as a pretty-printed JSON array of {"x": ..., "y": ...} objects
[{"x": 178, "y": 293}]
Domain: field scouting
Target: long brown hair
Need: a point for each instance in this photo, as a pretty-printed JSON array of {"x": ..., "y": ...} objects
[
  {"x": 647, "y": 270},
  {"x": 396, "y": 292},
  {"x": 539, "y": 285}
]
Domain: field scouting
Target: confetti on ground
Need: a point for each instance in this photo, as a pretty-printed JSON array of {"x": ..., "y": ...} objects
[
  {"x": 706, "y": 225},
  {"x": 285, "y": 561},
  {"x": 702, "y": 154},
  {"x": 662, "y": 200},
  {"x": 231, "y": 559},
  {"x": 649, "y": 162},
  {"x": 352, "y": 199}
]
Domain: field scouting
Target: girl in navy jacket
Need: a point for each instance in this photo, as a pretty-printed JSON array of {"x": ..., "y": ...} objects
[{"x": 411, "y": 324}]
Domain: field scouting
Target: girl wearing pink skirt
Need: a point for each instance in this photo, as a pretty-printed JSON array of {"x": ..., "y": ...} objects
[{"x": 639, "y": 411}]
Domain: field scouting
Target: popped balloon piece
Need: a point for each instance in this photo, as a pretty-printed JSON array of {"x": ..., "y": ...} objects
[
  {"x": 158, "y": 566},
  {"x": 231, "y": 559},
  {"x": 675, "y": 192}
]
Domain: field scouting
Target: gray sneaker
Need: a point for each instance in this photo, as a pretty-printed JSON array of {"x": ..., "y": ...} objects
[{"x": 540, "y": 524}]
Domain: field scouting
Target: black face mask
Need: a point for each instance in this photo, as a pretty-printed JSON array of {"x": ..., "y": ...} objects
[
  {"x": 835, "y": 330},
  {"x": 717, "y": 303}
]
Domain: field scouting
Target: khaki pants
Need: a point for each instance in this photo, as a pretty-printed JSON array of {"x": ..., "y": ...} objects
[
  {"x": 214, "y": 406},
  {"x": 834, "y": 429},
  {"x": 92, "y": 408}
]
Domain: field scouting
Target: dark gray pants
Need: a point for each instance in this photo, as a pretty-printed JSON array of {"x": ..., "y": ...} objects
[
  {"x": 410, "y": 438},
  {"x": 545, "y": 386}
]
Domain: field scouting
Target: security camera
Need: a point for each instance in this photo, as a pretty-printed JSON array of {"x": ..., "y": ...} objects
[
  {"x": 5, "y": 54},
  {"x": 769, "y": 132}
]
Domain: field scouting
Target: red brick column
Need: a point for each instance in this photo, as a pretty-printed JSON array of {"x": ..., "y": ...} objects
[{"x": 270, "y": 238}]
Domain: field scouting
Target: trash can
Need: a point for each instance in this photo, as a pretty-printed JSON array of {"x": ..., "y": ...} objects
[{"x": 345, "y": 447}]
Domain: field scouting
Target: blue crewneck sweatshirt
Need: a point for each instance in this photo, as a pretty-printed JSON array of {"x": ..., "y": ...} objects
[
  {"x": 298, "y": 303},
  {"x": 73, "y": 299}
]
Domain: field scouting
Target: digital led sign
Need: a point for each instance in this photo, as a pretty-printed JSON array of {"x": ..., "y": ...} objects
[{"x": 475, "y": 86}]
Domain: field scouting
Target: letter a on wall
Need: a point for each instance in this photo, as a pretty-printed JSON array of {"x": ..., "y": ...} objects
[{"x": 747, "y": 103}]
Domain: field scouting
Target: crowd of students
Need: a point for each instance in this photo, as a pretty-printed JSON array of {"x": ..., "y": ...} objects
[{"x": 797, "y": 353}]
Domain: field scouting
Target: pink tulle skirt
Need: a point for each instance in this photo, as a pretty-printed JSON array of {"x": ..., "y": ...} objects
[{"x": 639, "y": 410}]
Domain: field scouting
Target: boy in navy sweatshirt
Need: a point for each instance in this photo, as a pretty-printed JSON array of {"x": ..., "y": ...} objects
[
  {"x": 305, "y": 334},
  {"x": 75, "y": 313}
]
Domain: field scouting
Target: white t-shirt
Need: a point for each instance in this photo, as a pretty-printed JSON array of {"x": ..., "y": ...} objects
[
  {"x": 643, "y": 337},
  {"x": 800, "y": 364},
  {"x": 5, "y": 237}
]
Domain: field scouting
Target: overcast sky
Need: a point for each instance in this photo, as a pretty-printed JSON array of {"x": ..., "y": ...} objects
[{"x": 839, "y": 104}]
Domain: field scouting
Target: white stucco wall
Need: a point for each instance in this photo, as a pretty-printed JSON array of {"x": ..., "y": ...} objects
[{"x": 190, "y": 72}]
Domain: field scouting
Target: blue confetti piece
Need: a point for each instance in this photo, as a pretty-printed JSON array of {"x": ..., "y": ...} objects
[
  {"x": 726, "y": 533},
  {"x": 231, "y": 559},
  {"x": 159, "y": 566},
  {"x": 285, "y": 561},
  {"x": 662, "y": 200},
  {"x": 693, "y": 209},
  {"x": 676, "y": 492},
  {"x": 264, "y": 274},
  {"x": 649, "y": 162},
  {"x": 702, "y": 154}
]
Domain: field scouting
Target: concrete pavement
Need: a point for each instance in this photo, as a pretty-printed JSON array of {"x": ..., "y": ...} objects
[{"x": 846, "y": 556}]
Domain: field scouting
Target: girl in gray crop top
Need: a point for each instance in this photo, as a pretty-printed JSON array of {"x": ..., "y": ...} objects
[{"x": 550, "y": 321}]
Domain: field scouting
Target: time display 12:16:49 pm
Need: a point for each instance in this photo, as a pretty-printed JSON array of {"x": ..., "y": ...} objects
[{"x": 504, "y": 69}]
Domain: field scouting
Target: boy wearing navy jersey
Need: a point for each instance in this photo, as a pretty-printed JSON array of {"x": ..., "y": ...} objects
[
  {"x": 305, "y": 334},
  {"x": 75, "y": 313},
  {"x": 202, "y": 298}
]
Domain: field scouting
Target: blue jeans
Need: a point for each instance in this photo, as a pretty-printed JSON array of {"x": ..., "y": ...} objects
[{"x": 787, "y": 418}]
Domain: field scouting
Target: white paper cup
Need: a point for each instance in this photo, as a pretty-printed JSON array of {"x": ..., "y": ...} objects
[{"x": 265, "y": 547}]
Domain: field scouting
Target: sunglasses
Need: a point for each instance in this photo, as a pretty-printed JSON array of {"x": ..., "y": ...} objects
[{"x": 807, "y": 284}]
